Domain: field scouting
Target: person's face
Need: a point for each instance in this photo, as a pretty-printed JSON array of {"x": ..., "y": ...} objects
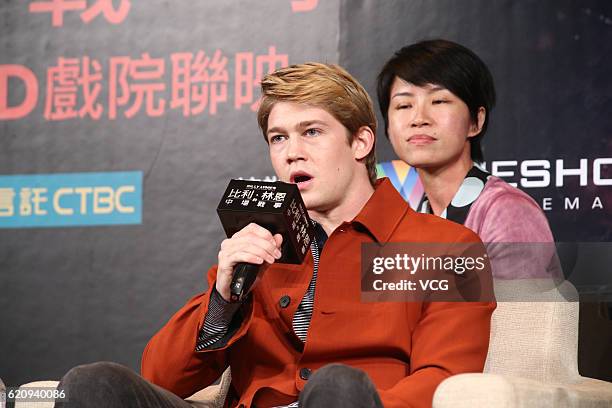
[
  {"x": 429, "y": 126},
  {"x": 309, "y": 147}
]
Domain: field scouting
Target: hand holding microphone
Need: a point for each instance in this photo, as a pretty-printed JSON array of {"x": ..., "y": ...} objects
[
  {"x": 252, "y": 245},
  {"x": 266, "y": 222}
]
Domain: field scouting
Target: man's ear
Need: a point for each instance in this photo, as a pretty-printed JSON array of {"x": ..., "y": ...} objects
[
  {"x": 476, "y": 127},
  {"x": 363, "y": 142}
]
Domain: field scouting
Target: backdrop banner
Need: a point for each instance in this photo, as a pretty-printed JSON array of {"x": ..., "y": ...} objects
[{"x": 121, "y": 123}]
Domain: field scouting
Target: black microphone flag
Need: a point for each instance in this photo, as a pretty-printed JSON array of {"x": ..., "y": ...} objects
[{"x": 276, "y": 206}]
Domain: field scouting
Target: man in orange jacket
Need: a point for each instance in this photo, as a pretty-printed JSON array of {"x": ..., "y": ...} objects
[{"x": 303, "y": 333}]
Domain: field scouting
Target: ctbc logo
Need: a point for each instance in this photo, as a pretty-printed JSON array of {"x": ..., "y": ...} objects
[{"x": 50, "y": 200}]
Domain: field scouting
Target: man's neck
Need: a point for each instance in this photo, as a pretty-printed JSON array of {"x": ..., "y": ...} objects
[
  {"x": 351, "y": 205},
  {"x": 441, "y": 184}
]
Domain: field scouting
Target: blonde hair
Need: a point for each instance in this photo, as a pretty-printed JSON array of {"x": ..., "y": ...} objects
[{"x": 323, "y": 86}]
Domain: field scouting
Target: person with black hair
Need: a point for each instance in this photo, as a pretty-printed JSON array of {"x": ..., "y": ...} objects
[{"x": 436, "y": 98}]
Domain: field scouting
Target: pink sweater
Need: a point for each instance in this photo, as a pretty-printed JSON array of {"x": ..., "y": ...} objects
[{"x": 515, "y": 231}]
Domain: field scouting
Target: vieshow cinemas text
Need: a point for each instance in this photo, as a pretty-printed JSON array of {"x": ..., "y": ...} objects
[{"x": 582, "y": 182}]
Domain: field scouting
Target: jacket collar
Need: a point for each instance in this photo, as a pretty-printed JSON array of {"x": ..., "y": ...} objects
[{"x": 383, "y": 212}]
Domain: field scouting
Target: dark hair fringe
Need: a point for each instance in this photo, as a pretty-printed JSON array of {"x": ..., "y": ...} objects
[{"x": 444, "y": 63}]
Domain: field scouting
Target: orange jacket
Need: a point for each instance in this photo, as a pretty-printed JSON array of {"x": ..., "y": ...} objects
[{"x": 407, "y": 349}]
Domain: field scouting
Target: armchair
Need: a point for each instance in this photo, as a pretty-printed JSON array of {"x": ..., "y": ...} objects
[{"x": 533, "y": 354}]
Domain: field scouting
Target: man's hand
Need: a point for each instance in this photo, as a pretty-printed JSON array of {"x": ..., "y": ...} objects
[{"x": 252, "y": 244}]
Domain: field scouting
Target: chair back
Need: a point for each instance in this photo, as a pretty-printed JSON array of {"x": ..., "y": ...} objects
[{"x": 534, "y": 330}]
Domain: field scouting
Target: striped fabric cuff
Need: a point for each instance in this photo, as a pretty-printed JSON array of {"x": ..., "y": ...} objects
[{"x": 217, "y": 320}]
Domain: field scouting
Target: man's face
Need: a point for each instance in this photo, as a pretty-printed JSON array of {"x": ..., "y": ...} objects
[
  {"x": 429, "y": 126},
  {"x": 309, "y": 147}
]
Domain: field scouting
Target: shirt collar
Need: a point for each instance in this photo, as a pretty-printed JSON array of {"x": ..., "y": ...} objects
[
  {"x": 469, "y": 190},
  {"x": 383, "y": 211},
  {"x": 320, "y": 234}
]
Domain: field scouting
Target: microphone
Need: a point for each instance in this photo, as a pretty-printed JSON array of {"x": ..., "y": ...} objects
[{"x": 276, "y": 206}]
